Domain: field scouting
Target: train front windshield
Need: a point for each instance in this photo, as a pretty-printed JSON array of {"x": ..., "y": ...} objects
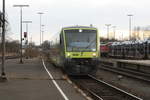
[{"x": 78, "y": 40}]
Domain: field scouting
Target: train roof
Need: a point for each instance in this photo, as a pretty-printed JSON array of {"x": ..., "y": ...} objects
[{"x": 79, "y": 27}]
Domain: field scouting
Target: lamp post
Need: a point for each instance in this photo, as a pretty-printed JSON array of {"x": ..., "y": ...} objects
[
  {"x": 21, "y": 6},
  {"x": 42, "y": 36},
  {"x": 122, "y": 36},
  {"x": 130, "y": 15},
  {"x": 114, "y": 29},
  {"x": 40, "y": 13},
  {"x": 1, "y": 19},
  {"x": 3, "y": 74},
  {"x": 108, "y": 30},
  {"x": 1, "y": 23},
  {"x": 43, "y": 33}
]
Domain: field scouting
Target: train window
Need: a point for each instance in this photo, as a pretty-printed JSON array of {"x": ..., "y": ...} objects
[{"x": 80, "y": 41}]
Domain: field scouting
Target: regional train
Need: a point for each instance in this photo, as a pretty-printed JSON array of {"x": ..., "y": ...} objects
[
  {"x": 139, "y": 49},
  {"x": 79, "y": 50}
]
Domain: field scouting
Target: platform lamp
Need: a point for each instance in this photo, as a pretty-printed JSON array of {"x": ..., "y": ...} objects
[
  {"x": 43, "y": 33},
  {"x": 130, "y": 15},
  {"x": 21, "y": 6},
  {"x": 3, "y": 21},
  {"x": 40, "y": 13},
  {"x": 114, "y": 29},
  {"x": 108, "y": 25}
]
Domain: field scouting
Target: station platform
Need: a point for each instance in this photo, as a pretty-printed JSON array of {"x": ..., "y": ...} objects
[
  {"x": 140, "y": 62},
  {"x": 141, "y": 65},
  {"x": 31, "y": 81}
]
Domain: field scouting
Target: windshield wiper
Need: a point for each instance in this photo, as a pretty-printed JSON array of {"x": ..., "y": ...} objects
[{"x": 93, "y": 41}]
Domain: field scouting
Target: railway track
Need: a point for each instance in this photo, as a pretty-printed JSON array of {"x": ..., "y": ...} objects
[
  {"x": 100, "y": 90},
  {"x": 127, "y": 72}
]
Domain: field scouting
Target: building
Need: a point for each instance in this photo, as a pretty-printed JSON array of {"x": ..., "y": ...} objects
[
  {"x": 141, "y": 32},
  {"x": 146, "y": 34}
]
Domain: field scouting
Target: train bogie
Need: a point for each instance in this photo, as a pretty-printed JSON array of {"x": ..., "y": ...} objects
[{"x": 80, "y": 66}]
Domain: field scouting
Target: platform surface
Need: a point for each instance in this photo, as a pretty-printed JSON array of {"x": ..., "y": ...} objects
[
  {"x": 140, "y": 62},
  {"x": 30, "y": 81}
]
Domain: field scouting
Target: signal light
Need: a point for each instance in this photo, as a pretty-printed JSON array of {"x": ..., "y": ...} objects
[{"x": 25, "y": 34}]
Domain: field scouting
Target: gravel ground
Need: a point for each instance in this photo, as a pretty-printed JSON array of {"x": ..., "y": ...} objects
[{"x": 133, "y": 86}]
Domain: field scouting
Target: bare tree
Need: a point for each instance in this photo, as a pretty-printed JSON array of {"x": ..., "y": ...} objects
[{"x": 46, "y": 45}]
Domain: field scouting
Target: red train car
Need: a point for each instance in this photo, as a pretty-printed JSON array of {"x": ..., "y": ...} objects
[{"x": 104, "y": 49}]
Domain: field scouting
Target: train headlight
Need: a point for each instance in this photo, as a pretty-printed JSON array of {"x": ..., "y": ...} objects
[
  {"x": 80, "y": 30},
  {"x": 94, "y": 54},
  {"x": 93, "y": 49},
  {"x": 68, "y": 54}
]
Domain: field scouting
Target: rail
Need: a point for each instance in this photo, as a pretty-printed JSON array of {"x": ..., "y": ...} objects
[
  {"x": 139, "y": 67},
  {"x": 100, "y": 90},
  {"x": 127, "y": 72}
]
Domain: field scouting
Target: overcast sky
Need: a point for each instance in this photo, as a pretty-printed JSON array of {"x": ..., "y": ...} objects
[{"x": 60, "y": 13}]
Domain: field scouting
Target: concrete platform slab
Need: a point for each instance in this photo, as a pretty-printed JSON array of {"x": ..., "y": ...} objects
[
  {"x": 140, "y": 62},
  {"x": 30, "y": 81}
]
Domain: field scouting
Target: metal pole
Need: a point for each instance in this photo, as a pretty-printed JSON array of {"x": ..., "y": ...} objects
[
  {"x": 42, "y": 33},
  {"x": 3, "y": 75},
  {"x": 27, "y": 32},
  {"x": 40, "y": 13},
  {"x": 26, "y": 43},
  {"x": 31, "y": 39},
  {"x": 27, "y": 36},
  {"x": 143, "y": 35},
  {"x": 21, "y": 61},
  {"x": 42, "y": 36},
  {"x": 40, "y": 29},
  {"x": 114, "y": 28},
  {"x": 108, "y": 30},
  {"x": 130, "y": 27},
  {"x": 130, "y": 33},
  {"x": 122, "y": 36},
  {"x": 42, "y": 40}
]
